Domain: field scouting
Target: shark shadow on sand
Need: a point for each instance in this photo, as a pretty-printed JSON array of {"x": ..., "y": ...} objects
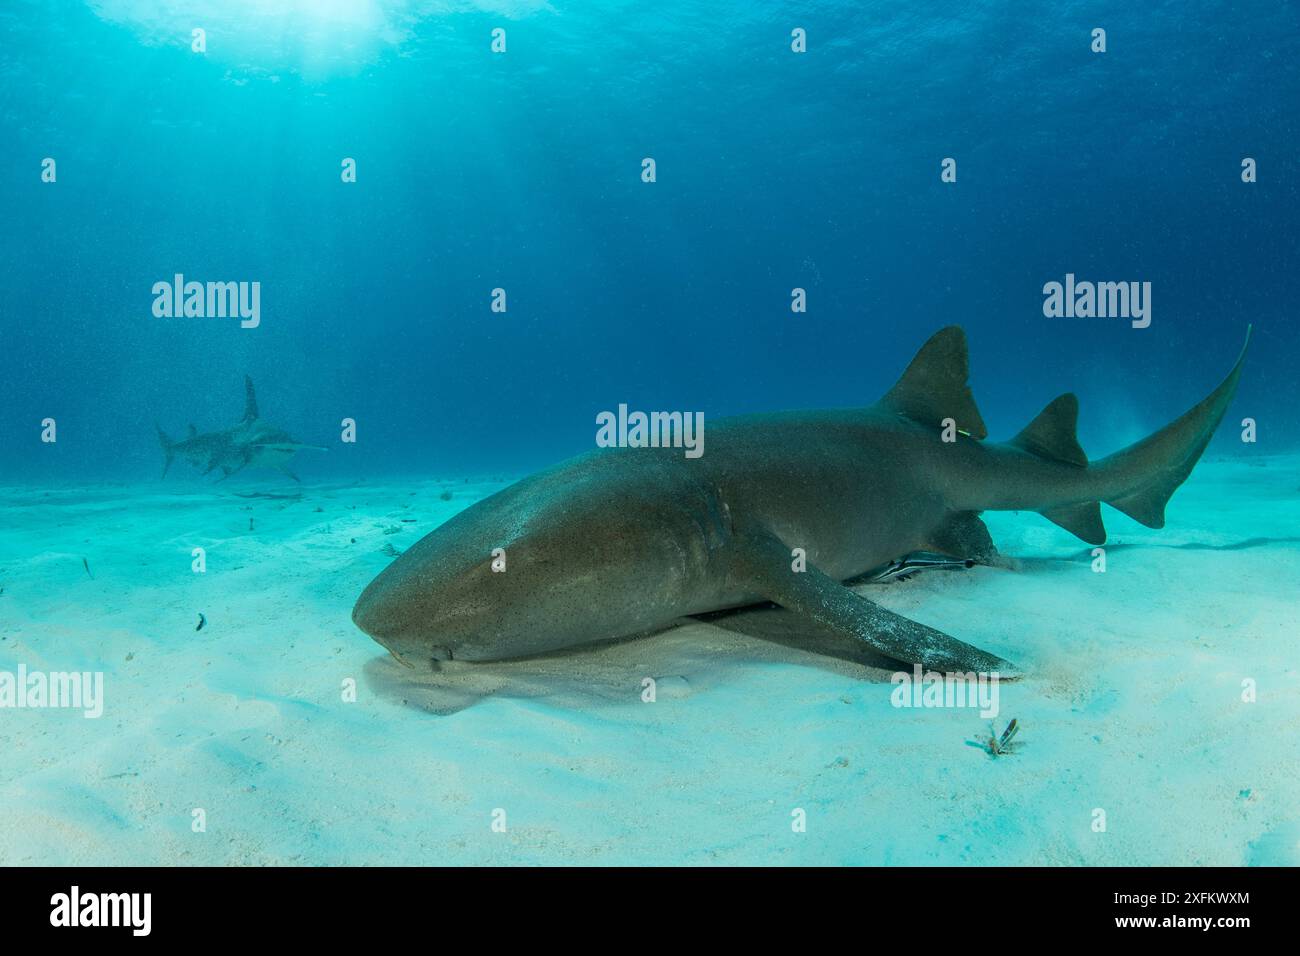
[
  {"x": 1043, "y": 562},
  {"x": 694, "y": 654},
  {"x": 690, "y": 657}
]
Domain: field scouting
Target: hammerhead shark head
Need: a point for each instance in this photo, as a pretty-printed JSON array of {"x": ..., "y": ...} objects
[
  {"x": 783, "y": 508},
  {"x": 251, "y": 442}
]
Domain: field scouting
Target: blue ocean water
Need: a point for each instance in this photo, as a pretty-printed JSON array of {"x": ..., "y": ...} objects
[
  {"x": 803, "y": 154},
  {"x": 522, "y": 171}
]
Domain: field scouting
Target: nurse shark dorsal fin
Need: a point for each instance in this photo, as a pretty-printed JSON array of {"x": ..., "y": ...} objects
[
  {"x": 934, "y": 386},
  {"x": 250, "y": 401},
  {"x": 1052, "y": 435}
]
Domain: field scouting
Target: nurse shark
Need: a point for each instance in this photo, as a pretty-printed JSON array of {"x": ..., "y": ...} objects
[{"x": 783, "y": 508}]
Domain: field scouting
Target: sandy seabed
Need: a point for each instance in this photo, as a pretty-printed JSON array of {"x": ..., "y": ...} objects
[{"x": 1136, "y": 701}]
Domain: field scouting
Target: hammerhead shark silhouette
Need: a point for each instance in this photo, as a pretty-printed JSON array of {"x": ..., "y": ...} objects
[
  {"x": 783, "y": 508},
  {"x": 251, "y": 442}
]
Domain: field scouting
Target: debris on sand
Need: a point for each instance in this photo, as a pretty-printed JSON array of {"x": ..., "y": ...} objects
[{"x": 1001, "y": 746}]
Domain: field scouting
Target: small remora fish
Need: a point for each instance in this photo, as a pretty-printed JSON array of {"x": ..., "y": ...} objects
[{"x": 904, "y": 568}]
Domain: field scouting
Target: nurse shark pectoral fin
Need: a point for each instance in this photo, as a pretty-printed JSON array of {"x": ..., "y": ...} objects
[
  {"x": 762, "y": 563},
  {"x": 773, "y": 624}
]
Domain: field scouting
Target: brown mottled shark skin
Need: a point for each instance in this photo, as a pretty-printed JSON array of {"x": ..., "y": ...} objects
[{"x": 627, "y": 541}]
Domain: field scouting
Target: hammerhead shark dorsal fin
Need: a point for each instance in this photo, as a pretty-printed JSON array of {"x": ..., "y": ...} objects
[
  {"x": 1052, "y": 434},
  {"x": 250, "y": 401},
  {"x": 934, "y": 387}
]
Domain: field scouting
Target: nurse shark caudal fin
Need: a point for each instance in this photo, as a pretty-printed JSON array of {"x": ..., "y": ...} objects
[{"x": 1138, "y": 480}]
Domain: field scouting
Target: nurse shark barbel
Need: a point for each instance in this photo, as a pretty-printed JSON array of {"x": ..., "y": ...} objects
[{"x": 627, "y": 541}]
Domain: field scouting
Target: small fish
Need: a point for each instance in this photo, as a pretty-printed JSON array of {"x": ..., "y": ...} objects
[
  {"x": 904, "y": 568},
  {"x": 86, "y": 564},
  {"x": 997, "y": 746},
  {"x": 202, "y": 620}
]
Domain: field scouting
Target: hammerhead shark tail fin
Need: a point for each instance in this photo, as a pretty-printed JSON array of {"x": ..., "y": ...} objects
[
  {"x": 1140, "y": 479},
  {"x": 250, "y": 400},
  {"x": 167, "y": 447}
]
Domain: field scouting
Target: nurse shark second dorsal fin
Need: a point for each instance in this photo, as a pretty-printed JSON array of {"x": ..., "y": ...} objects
[
  {"x": 1052, "y": 434},
  {"x": 934, "y": 387},
  {"x": 250, "y": 401}
]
